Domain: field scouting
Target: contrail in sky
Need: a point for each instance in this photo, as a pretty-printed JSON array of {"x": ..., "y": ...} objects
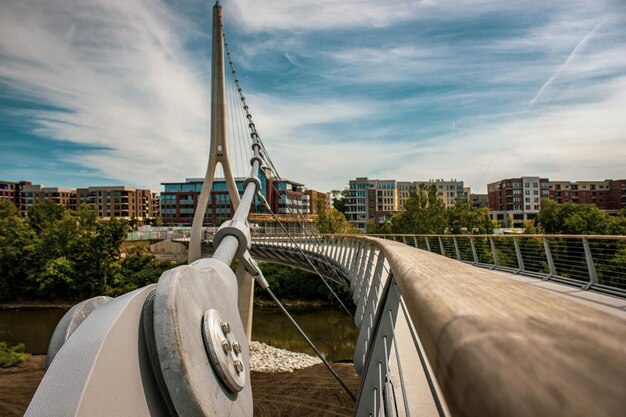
[{"x": 571, "y": 56}]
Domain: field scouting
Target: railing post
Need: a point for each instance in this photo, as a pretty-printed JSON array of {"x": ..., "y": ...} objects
[
  {"x": 456, "y": 248},
  {"x": 593, "y": 276},
  {"x": 546, "y": 247},
  {"x": 344, "y": 250},
  {"x": 404, "y": 239},
  {"x": 415, "y": 241},
  {"x": 443, "y": 251},
  {"x": 354, "y": 268},
  {"x": 518, "y": 254},
  {"x": 492, "y": 243},
  {"x": 427, "y": 244},
  {"x": 474, "y": 253}
]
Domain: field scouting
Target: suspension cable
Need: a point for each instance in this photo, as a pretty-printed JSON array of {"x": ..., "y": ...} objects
[{"x": 255, "y": 137}]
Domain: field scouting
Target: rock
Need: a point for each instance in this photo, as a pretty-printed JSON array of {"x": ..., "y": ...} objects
[{"x": 269, "y": 359}]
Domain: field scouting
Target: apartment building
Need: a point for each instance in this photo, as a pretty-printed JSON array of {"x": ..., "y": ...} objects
[
  {"x": 35, "y": 193},
  {"x": 513, "y": 201},
  {"x": 12, "y": 191},
  {"x": 285, "y": 197},
  {"x": 582, "y": 192},
  {"x": 479, "y": 200},
  {"x": 375, "y": 201},
  {"x": 314, "y": 197},
  {"x": 119, "y": 201},
  {"x": 519, "y": 199}
]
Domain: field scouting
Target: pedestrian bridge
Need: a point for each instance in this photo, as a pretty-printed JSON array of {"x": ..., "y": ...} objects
[{"x": 448, "y": 325}]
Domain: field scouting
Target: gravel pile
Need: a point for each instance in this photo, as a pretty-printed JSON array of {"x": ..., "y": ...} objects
[{"x": 268, "y": 359}]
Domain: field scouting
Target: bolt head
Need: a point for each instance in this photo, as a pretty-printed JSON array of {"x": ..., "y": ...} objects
[
  {"x": 238, "y": 366},
  {"x": 226, "y": 346},
  {"x": 237, "y": 348},
  {"x": 225, "y": 327}
]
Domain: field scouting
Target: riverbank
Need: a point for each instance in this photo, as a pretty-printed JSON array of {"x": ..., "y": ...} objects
[
  {"x": 36, "y": 304},
  {"x": 306, "y": 388}
]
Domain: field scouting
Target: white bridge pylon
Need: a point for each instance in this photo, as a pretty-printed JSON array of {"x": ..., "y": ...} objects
[{"x": 219, "y": 140}]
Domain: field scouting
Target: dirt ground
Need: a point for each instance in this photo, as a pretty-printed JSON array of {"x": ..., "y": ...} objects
[{"x": 310, "y": 391}]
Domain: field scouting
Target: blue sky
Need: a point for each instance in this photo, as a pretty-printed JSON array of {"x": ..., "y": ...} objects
[{"x": 117, "y": 91}]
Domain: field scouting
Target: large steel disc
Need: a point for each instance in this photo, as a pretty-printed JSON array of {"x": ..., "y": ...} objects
[{"x": 195, "y": 384}]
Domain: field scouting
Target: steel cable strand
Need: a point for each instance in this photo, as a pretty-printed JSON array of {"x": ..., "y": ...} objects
[{"x": 255, "y": 137}]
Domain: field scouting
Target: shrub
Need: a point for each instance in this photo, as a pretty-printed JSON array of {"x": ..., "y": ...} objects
[{"x": 12, "y": 355}]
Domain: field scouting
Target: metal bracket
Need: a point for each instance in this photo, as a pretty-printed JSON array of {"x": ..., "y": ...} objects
[{"x": 253, "y": 269}]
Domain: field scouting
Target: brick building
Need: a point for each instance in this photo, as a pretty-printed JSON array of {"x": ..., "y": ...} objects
[{"x": 519, "y": 199}]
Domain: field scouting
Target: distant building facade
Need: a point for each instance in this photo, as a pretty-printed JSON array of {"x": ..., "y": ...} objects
[
  {"x": 12, "y": 191},
  {"x": 285, "y": 197},
  {"x": 120, "y": 201},
  {"x": 34, "y": 194},
  {"x": 479, "y": 200},
  {"x": 112, "y": 201},
  {"x": 513, "y": 201},
  {"x": 375, "y": 201}
]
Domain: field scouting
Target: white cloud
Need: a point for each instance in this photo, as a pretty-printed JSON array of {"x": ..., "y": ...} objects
[
  {"x": 119, "y": 71},
  {"x": 122, "y": 74},
  {"x": 585, "y": 141}
]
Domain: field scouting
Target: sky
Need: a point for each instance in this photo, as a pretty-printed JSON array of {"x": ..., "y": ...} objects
[{"x": 105, "y": 92}]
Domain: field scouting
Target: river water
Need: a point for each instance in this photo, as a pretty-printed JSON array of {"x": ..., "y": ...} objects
[{"x": 332, "y": 331}]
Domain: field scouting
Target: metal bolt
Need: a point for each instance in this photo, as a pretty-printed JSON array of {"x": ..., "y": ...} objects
[
  {"x": 237, "y": 348},
  {"x": 238, "y": 366},
  {"x": 226, "y": 346},
  {"x": 225, "y": 327}
]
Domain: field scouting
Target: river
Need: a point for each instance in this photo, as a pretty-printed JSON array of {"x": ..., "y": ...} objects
[{"x": 331, "y": 330}]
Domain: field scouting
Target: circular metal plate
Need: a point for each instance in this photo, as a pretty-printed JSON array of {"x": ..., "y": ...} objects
[
  {"x": 224, "y": 350},
  {"x": 196, "y": 387}
]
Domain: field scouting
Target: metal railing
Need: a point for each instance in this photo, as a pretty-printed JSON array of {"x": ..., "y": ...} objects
[
  {"x": 388, "y": 354},
  {"x": 404, "y": 335},
  {"x": 588, "y": 261}
]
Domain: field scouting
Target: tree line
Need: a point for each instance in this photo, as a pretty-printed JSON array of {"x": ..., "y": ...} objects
[{"x": 56, "y": 253}]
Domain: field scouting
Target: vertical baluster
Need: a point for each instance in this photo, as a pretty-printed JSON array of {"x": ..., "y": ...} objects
[
  {"x": 546, "y": 247},
  {"x": 474, "y": 253},
  {"x": 494, "y": 254},
  {"x": 443, "y": 251},
  {"x": 456, "y": 248},
  {"x": 518, "y": 254},
  {"x": 593, "y": 277}
]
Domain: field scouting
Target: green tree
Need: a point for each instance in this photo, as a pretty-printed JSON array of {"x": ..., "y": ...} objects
[
  {"x": 42, "y": 216},
  {"x": 339, "y": 200},
  {"x": 331, "y": 220},
  {"x": 17, "y": 244},
  {"x": 424, "y": 213},
  {"x": 577, "y": 219},
  {"x": 465, "y": 218},
  {"x": 8, "y": 209}
]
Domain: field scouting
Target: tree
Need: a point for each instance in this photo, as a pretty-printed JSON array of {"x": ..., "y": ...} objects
[
  {"x": 331, "y": 220},
  {"x": 339, "y": 201},
  {"x": 17, "y": 242},
  {"x": 465, "y": 218},
  {"x": 577, "y": 219},
  {"x": 7, "y": 209},
  {"x": 424, "y": 213},
  {"x": 43, "y": 215}
]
